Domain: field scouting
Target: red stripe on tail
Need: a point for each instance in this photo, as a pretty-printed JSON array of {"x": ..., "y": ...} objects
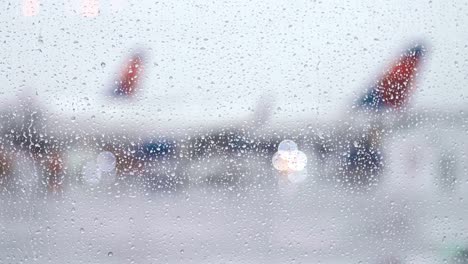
[
  {"x": 130, "y": 77},
  {"x": 397, "y": 84}
]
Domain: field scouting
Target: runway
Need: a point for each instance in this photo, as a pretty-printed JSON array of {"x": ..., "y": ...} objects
[{"x": 269, "y": 223}]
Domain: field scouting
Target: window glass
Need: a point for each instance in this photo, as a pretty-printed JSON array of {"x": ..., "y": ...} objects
[{"x": 233, "y": 131}]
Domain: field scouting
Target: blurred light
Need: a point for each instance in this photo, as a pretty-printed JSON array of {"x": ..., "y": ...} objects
[
  {"x": 290, "y": 161},
  {"x": 106, "y": 161},
  {"x": 91, "y": 174},
  {"x": 30, "y": 7},
  {"x": 101, "y": 171},
  {"x": 281, "y": 160},
  {"x": 287, "y": 145},
  {"x": 90, "y": 8},
  {"x": 298, "y": 160}
]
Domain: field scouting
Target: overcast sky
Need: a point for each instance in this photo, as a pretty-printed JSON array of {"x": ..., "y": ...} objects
[{"x": 212, "y": 60}]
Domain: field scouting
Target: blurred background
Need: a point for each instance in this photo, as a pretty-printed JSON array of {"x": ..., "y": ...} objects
[{"x": 233, "y": 131}]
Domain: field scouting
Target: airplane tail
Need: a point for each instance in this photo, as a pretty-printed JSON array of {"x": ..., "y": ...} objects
[
  {"x": 130, "y": 75},
  {"x": 394, "y": 88}
]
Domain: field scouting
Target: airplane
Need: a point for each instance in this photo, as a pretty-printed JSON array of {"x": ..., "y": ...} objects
[
  {"x": 348, "y": 152},
  {"x": 54, "y": 144},
  {"x": 26, "y": 129}
]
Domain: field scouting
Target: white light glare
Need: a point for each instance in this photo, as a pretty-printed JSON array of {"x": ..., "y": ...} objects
[{"x": 290, "y": 161}]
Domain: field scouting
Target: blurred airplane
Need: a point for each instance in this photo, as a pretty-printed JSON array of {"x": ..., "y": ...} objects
[
  {"x": 157, "y": 161},
  {"x": 349, "y": 151},
  {"x": 27, "y": 128}
]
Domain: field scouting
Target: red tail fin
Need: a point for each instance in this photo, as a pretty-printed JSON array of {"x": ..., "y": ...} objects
[
  {"x": 130, "y": 77},
  {"x": 395, "y": 87}
]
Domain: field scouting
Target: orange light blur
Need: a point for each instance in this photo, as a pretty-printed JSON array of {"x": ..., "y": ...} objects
[
  {"x": 90, "y": 8},
  {"x": 30, "y": 7}
]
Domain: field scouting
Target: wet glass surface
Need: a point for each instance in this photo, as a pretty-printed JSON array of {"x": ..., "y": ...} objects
[{"x": 233, "y": 132}]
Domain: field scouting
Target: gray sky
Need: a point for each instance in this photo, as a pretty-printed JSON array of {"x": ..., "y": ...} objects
[{"x": 211, "y": 60}]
